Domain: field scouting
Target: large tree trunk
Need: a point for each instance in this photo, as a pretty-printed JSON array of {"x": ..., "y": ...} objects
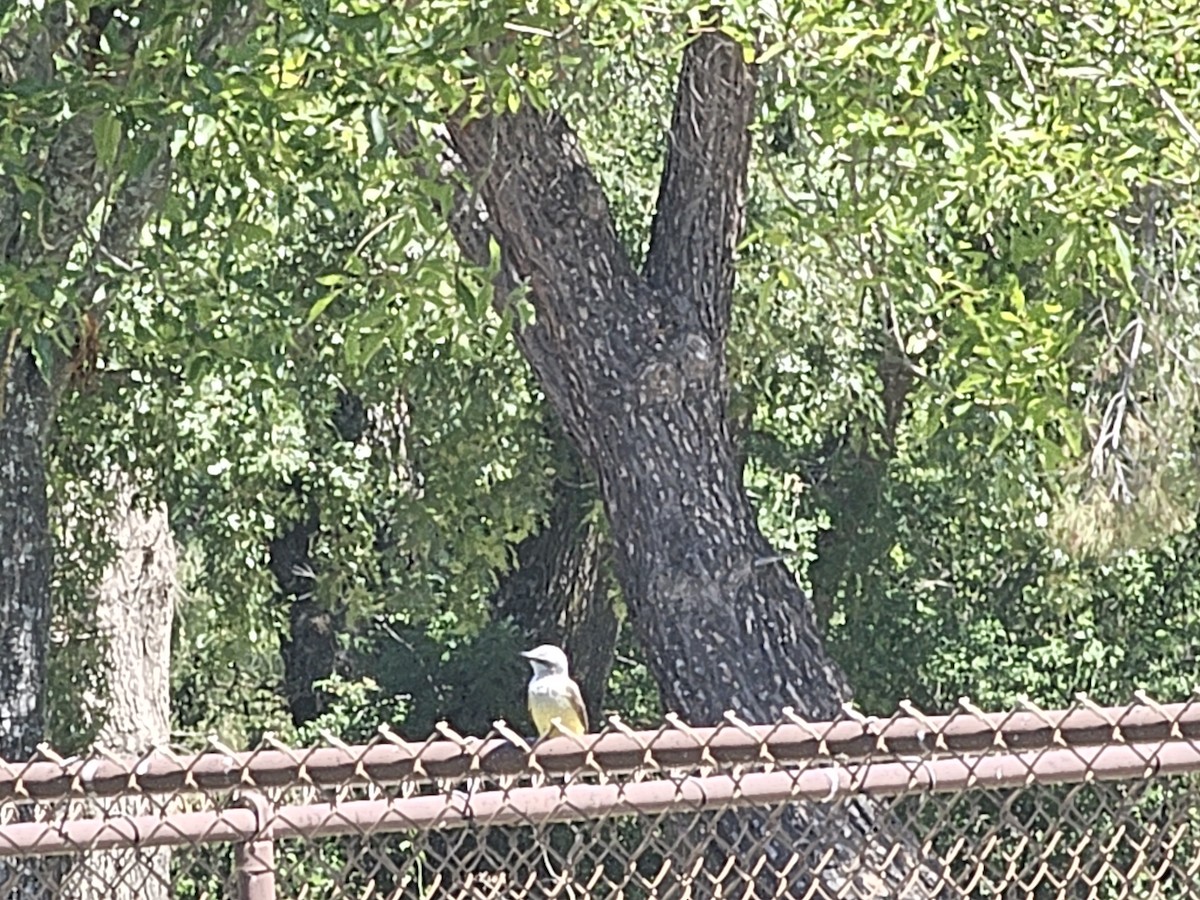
[
  {"x": 135, "y": 606},
  {"x": 61, "y": 159},
  {"x": 634, "y": 364}
]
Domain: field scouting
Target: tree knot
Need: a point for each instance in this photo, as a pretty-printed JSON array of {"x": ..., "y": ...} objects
[{"x": 684, "y": 362}]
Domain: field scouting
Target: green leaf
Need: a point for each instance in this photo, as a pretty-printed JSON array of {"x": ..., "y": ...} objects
[
  {"x": 772, "y": 51},
  {"x": 1124, "y": 257},
  {"x": 44, "y": 353},
  {"x": 1062, "y": 252},
  {"x": 320, "y": 306},
  {"x": 106, "y": 135},
  {"x": 378, "y": 125},
  {"x": 472, "y": 299}
]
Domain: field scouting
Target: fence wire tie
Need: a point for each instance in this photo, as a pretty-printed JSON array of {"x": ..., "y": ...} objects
[
  {"x": 1146, "y": 700},
  {"x": 706, "y": 754},
  {"x": 790, "y": 715},
  {"x": 931, "y": 729},
  {"x": 512, "y": 736},
  {"x": 834, "y": 774},
  {"x": 145, "y": 761},
  {"x": 1087, "y": 703},
  {"x": 1055, "y": 725}
]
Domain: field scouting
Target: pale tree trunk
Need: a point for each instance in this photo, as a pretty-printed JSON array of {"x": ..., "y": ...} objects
[
  {"x": 634, "y": 363},
  {"x": 134, "y": 606}
]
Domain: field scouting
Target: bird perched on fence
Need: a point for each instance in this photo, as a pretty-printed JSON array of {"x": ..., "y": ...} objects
[{"x": 555, "y": 702}]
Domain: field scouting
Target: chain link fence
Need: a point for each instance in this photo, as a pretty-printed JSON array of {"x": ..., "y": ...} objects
[{"x": 1086, "y": 802}]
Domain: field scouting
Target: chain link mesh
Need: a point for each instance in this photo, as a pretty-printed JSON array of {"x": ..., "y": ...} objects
[{"x": 1086, "y": 802}]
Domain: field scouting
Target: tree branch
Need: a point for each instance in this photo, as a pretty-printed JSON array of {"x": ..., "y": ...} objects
[
  {"x": 552, "y": 220},
  {"x": 702, "y": 196}
]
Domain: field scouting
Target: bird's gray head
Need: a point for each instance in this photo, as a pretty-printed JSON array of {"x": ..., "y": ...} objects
[{"x": 547, "y": 660}]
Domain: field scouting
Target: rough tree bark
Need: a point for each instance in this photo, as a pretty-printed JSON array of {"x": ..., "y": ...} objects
[
  {"x": 26, "y": 406},
  {"x": 26, "y": 414},
  {"x": 25, "y": 555},
  {"x": 634, "y": 364}
]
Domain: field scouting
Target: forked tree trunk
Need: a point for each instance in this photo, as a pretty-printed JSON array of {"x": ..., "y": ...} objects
[{"x": 634, "y": 363}]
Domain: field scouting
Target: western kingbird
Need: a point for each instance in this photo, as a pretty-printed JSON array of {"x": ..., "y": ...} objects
[{"x": 555, "y": 703}]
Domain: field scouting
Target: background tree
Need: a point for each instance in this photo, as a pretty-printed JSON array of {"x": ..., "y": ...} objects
[{"x": 963, "y": 314}]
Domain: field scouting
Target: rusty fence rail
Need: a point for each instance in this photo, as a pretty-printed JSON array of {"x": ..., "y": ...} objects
[{"x": 1082, "y": 802}]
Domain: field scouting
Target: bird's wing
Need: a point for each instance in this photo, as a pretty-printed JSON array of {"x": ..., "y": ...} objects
[{"x": 575, "y": 697}]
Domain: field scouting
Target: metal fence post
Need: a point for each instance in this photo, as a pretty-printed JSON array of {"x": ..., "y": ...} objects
[{"x": 254, "y": 860}]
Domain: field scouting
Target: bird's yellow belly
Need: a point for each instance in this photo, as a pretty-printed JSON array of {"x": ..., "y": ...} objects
[{"x": 551, "y": 712}]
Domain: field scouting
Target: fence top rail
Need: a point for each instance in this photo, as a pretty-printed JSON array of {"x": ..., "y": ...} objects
[
  {"x": 536, "y": 806},
  {"x": 616, "y": 750}
]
